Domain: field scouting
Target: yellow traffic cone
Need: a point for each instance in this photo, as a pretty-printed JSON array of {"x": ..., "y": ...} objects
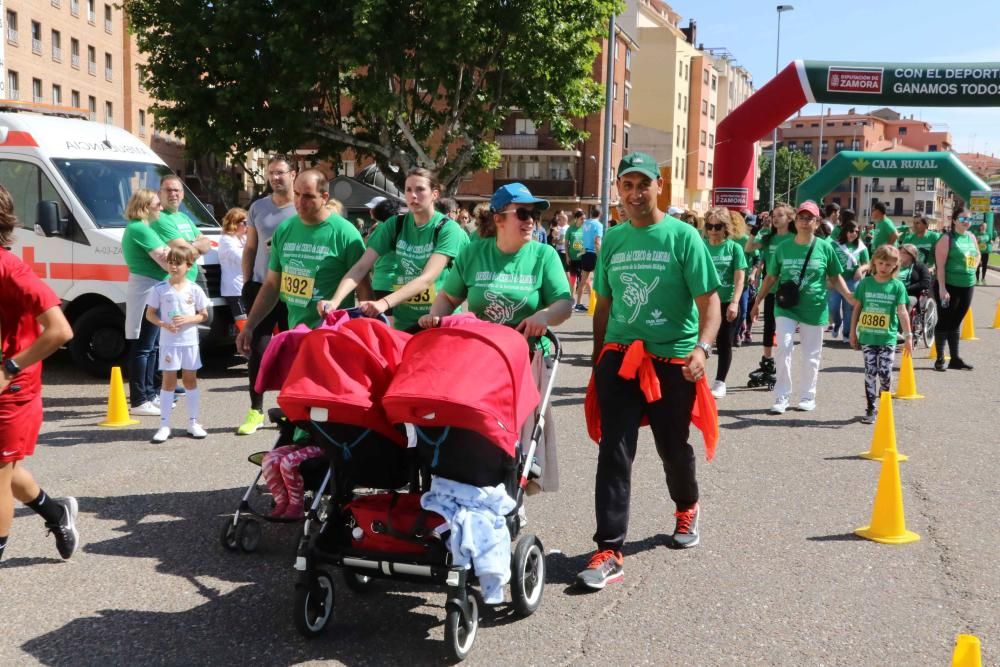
[
  {"x": 117, "y": 405},
  {"x": 967, "y": 652},
  {"x": 884, "y": 436},
  {"x": 591, "y": 303},
  {"x": 907, "y": 387},
  {"x": 888, "y": 524},
  {"x": 996, "y": 318},
  {"x": 968, "y": 327}
]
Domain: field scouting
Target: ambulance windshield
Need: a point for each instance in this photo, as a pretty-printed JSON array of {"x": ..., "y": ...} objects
[{"x": 104, "y": 188}]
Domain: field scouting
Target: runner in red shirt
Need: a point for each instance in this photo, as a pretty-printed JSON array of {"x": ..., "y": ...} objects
[{"x": 32, "y": 326}]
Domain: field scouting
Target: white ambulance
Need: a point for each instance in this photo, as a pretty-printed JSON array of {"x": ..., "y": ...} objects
[{"x": 71, "y": 179}]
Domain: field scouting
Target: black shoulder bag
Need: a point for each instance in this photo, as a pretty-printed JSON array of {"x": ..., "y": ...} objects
[{"x": 787, "y": 295}]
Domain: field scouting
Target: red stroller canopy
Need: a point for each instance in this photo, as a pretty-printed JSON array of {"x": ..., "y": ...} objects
[
  {"x": 344, "y": 372},
  {"x": 476, "y": 377}
]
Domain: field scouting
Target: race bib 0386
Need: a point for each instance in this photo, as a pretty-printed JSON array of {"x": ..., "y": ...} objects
[{"x": 874, "y": 321}]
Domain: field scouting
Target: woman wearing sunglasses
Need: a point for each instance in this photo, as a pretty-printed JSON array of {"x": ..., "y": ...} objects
[
  {"x": 957, "y": 257},
  {"x": 510, "y": 279},
  {"x": 731, "y": 265}
]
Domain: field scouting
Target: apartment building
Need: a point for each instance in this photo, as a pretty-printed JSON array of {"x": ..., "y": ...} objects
[
  {"x": 78, "y": 54},
  {"x": 884, "y": 130}
]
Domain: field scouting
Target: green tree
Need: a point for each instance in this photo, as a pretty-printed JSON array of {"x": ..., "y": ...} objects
[
  {"x": 408, "y": 83},
  {"x": 792, "y": 167}
]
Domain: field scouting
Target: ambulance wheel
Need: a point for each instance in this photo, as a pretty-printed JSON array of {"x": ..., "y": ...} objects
[
  {"x": 357, "y": 581},
  {"x": 248, "y": 535},
  {"x": 99, "y": 340},
  {"x": 460, "y": 630},
  {"x": 229, "y": 541},
  {"x": 314, "y": 605},
  {"x": 527, "y": 575}
]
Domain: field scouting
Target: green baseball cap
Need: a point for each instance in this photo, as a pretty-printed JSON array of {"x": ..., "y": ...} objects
[{"x": 639, "y": 162}]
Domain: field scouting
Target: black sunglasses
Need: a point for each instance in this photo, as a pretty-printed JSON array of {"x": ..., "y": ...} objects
[
  {"x": 523, "y": 214},
  {"x": 716, "y": 227}
]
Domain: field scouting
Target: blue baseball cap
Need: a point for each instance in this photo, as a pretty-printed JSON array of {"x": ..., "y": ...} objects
[{"x": 515, "y": 193}]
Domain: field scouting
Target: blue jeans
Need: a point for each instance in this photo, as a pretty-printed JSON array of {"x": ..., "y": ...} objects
[
  {"x": 142, "y": 364},
  {"x": 841, "y": 310}
]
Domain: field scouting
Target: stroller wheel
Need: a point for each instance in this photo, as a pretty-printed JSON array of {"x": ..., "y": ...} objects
[
  {"x": 527, "y": 580},
  {"x": 228, "y": 535},
  {"x": 314, "y": 605},
  {"x": 460, "y": 629},
  {"x": 357, "y": 581},
  {"x": 248, "y": 535}
]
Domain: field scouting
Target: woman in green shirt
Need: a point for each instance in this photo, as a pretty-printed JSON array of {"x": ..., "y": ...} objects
[
  {"x": 957, "y": 257},
  {"x": 985, "y": 240},
  {"x": 145, "y": 255},
  {"x": 425, "y": 242},
  {"x": 731, "y": 265},
  {"x": 853, "y": 255}
]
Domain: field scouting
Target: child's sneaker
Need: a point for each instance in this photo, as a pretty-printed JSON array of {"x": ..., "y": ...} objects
[
  {"x": 195, "y": 430},
  {"x": 604, "y": 568},
  {"x": 294, "y": 512},
  {"x": 161, "y": 435},
  {"x": 65, "y": 531},
  {"x": 686, "y": 533},
  {"x": 869, "y": 417}
]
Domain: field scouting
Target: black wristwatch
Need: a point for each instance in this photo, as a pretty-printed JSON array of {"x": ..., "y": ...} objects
[{"x": 11, "y": 368}]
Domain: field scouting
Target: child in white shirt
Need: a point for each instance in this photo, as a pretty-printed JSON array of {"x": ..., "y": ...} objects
[{"x": 177, "y": 306}]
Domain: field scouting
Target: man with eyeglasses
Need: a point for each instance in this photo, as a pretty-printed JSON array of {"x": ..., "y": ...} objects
[
  {"x": 263, "y": 218},
  {"x": 178, "y": 230}
]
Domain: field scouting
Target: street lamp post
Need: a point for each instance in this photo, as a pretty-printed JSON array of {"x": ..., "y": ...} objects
[{"x": 777, "y": 55}]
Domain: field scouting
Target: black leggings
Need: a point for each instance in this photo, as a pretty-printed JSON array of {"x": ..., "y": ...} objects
[
  {"x": 769, "y": 328},
  {"x": 724, "y": 344},
  {"x": 950, "y": 319},
  {"x": 984, "y": 263}
]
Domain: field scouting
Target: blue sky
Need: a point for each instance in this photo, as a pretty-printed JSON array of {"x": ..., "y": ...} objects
[{"x": 862, "y": 30}]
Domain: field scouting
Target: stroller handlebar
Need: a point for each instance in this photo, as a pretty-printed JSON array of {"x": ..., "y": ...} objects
[{"x": 556, "y": 345}]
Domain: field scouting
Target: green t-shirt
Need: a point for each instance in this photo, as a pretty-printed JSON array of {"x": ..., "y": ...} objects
[
  {"x": 960, "y": 267},
  {"x": 137, "y": 242},
  {"x": 770, "y": 246},
  {"x": 170, "y": 226},
  {"x": 924, "y": 244},
  {"x": 384, "y": 271},
  {"x": 574, "y": 242},
  {"x": 312, "y": 260},
  {"x": 851, "y": 257},
  {"x": 652, "y": 276},
  {"x": 904, "y": 274},
  {"x": 835, "y": 235},
  {"x": 823, "y": 263},
  {"x": 506, "y": 289},
  {"x": 878, "y": 320},
  {"x": 413, "y": 248},
  {"x": 883, "y": 231},
  {"x": 728, "y": 258},
  {"x": 983, "y": 237}
]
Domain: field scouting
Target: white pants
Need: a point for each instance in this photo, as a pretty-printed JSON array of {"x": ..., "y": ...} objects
[{"x": 811, "y": 344}]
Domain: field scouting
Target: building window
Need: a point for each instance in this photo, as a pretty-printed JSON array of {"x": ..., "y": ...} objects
[
  {"x": 74, "y": 53},
  {"x": 711, "y": 140},
  {"x": 74, "y": 99},
  {"x": 107, "y": 67},
  {"x": 929, "y": 207},
  {"x": 813, "y": 124},
  {"x": 57, "y": 3},
  {"x": 628, "y": 58},
  {"x": 614, "y": 90},
  {"x": 524, "y": 126},
  {"x": 704, "y": 138},
  {"x": 680, "y": 99},
  {"x": 701, "y": 167},
  {"x": 12, "y": 27},
  {"x": 807, "y": 147},
  {"x": 142, "y": 123},
  {"x": 107, "y": 18},
  {"x": 140, "y": 77},
  {"x": 705, "y": 76},
  {"x": 687, "y": 107},
  {"x": 902, "y": 131},
  {"x": 793, "y": 145},
  {"x": 627, "y": 98},
  {"x": 684, "y": 164},
  {"x": 824, "y": 146},
  {"x": 855, "y": 144},
  {"x": 92, "y": 107},
  {"x": 704, "y": 107},
  {"x": 715, "y": 82},
  {"x": 36, "y": 37},
  {"x": 36, "y": 90},
  {"x": 92, "y": 60},
  {"x": 625, "y": 134},
  {"x": 109, "y": 112},
  {"x": 799, "y": 125},
  {"x": 932, "y": 148},
  {"x": 56, "y": 94},
  {"x": 74, "y": 7},
  {"x": 614, "y": 133},
  {"x": 91, "y": 12},
  {"x": 918, "y": 205},
  {"x": 56, "y": 46},
  {"x": 13, "y": 85},
  {"x": 709, "y": 170},
  {"x": 838, "y": 145}
]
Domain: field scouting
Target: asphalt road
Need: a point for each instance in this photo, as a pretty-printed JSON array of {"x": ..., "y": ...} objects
[{"x": 778, "y": 579}]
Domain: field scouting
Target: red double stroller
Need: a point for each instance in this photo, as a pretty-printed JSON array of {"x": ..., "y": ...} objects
[{"x": 391, "y": 411}]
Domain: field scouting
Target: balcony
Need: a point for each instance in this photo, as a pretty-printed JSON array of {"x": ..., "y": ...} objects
[
  {"x": 92, "y": 68},
  {"x": 12, "y": 35},
  {"x": 57, "y": 54},
  {"x": 904, "y": 212},
  {"x": 74, "y": 60},
  {"x": 36, "y": 46},
  {"x": 518, "y": 141},
  {"x": 74, "y": 7},
  {"x": 107, "y": 26},
  {"x": 543, "y": 188},
  {"x": 874, "y": 188},
  {"x": 108, "y": 73},
  {"x": 899, "y": 188}
]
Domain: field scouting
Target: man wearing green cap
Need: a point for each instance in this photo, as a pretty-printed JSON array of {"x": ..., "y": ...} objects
[{"x": 655, "y": 285}]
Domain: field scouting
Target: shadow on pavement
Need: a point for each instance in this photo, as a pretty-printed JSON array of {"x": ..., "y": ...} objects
[
  {"x": 27, "y": 561},
  {"x": 77, "y": 436},
  {"x": 841, "y": 537}
]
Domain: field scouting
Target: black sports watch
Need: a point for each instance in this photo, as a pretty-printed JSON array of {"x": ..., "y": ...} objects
[{"x": 11, "y": 368}]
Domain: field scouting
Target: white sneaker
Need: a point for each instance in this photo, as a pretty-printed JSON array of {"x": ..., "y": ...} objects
[
  {"x": 147, "y": 409},
  {"x": 161, "y": 435},
  {"x": 807, "y": 406},
  {"x": 196, "y": 431},
  {"x": 719, "y": 389},
  {"x": 779, "y": 406}
]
